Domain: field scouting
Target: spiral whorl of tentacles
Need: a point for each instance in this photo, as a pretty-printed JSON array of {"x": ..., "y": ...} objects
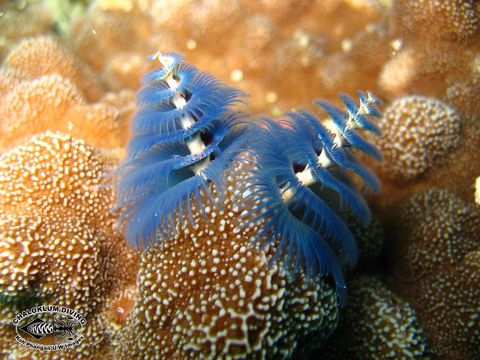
[
  {"x": 297, "y": 185},
  {"x": 293, "y": 183},
  {"x": 183, "y": 136}
]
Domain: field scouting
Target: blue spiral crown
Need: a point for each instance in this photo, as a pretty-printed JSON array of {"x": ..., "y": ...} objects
[
  {"x": 184, "y": 135},
  {"x": 297, "y": 186}
]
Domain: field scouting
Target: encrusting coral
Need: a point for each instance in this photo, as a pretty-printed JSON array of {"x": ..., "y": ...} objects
[
  {"x": 206, "y": 293},
  {"x": 437, "y": 269},
  {"x": 370, "y": 239},
  {"x": 78, "y": 75},
  {"x": 57, "y": 234},
  {"x": 44, "y": 55},
  {"x": 270, "y": 44},
  {"x": 455, "y": 20},
  {"x": 427, "y": 143},
  {"x": 55, "y": 96},
  {"x": 448, "y": 307},
  {"x": 376, "y": 324},
  {"x": 20, "y": 19},
  {"x": 435, "y": 229},
  {"x": 417, "y": 132},
  {"x": 54, "y": 103}
]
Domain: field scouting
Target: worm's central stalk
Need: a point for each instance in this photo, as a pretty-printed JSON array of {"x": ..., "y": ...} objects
[{"x": 195, "y": 144}]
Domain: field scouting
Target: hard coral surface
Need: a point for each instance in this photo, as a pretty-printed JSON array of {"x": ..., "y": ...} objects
[
  {"x": 377, "y": 324},
  {"x": 58, "y": 243},
  {"x": 417, "y": 131},
  {"x": 437, "y": 270},
  {"x": 78, "y": 75},
  {"x": 207, "y": 293}
]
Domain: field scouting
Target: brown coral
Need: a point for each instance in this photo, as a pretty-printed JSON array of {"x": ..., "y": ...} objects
[
  {"x": 417, "y": 132},
  {"x": 271, "y": 44},
  {"x": 376, "y": 324},
  {"x": 447, "y": 19},
  {"x": 284, "y": 53},
  {"x": 43, "y": 55},
  {"x": 435, "y": 229},
  {"x": 207, "y": 293},
  {"x": 370, "y": 239},
  {"x": 54, "y": 103},
  {"x": 438, "y": 269},
  {"x": 57, "y": 235},
  {"x": 449, "y": 308}
]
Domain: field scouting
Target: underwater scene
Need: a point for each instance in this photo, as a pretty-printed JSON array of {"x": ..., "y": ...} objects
[{"x": 240, "y": 179}]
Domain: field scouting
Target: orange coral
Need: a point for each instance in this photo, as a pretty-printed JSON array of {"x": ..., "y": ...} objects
[
  {"x": 46, "y": 56},
  {"x": 271, "y": 44},
  {"x": 20, "y": 19},
  {"x": 57, "y": 235},
  {"x": 35, "y": 106},
  {"x": 9, "y": 78},
  {"x": 377, "y": 324},
  {"x": 53, "y": 103},
  {"x": 206, "y": 293},
  {"x": 114, "y": 30},
  {"x": 438, "y": 269},
  {"x": 284, "y": 53},
  {"x": 447, "y": 19},
  {"x": 125, "y": 70},
  {"x": 417, "y": 132}
]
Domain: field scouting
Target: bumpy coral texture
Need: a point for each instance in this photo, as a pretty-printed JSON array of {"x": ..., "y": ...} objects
[
  {"x": 269, "y": 44},
  {"x": 57, "y": 236},
  {"x": 47, "y": 88},
  {"x": 417, "y": 132},
  {"x": 54, "y": 103},
  {"x": 207, "y": 293},
  {"x": 285, "y": 54},
  {"x": 45, "y": 55},
  {"x": 437, "y": 269},
  {"x": 454, "y": 330},
  {"x": 437, "y": 230},
  {"x": 21, "y": 19},
  {"x": 448, "y": 19},
  {"x": 377, "y": 324}
]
